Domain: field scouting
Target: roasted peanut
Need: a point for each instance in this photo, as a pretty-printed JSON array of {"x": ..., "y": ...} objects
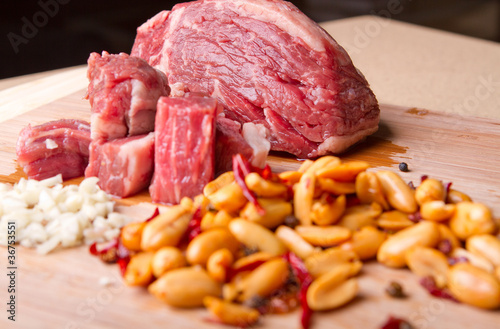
[
  {"x": 139, "y": 271},
  {"x": 205, "y": 244},
  {"x": 202, "y": 202},
  {"x": 334, "y": 187},
  {"x": 485, "y": 245},
  {"x": 326, "y": 236},
  {"x": 369, "y": 189},
  {"x": 230, "y": 313},
  {"x": 344, "y": 172},
  {"x": 264, "y": 188},
  {"x": 392, "y": 252},
  {"x": 437, "y": 211},
  {"x": 365, "y": 242},
  {"x": 455, "y": 196},
  {"x": 221, "y": 181},
  {"x": 166, "y": 259},
  {"x": 185, "y": 287},
  {"x": 256, "y": 236},
  {"x": 430, "y": 190},
  {"x": 331, "y": 290},
  {"x": 264, "y": 280},
  {"x": 294, "y": 242},
  {"x": 166, "y": 229},
  {"x": 425, "y": 261},
  {"x": 474, "y": 259},
  {"x": 471, "y": 218},
  {"x": 329, "y": 259},
  {"x": 305, "y": 165},
  {"x": 356, "y": 217},
  {"x": 275, "y": 212},
  {"x": 325, "y": 213},
  {"x": 398, "y": 193},
  {"x": 474, "y": 286},
  {"x": 218, "y": 264},
  {"x": 303, "y": 198},
  {"x": 207, "y": 221},
  {"x": 229, "y": 198},
  {"x": 321, "y": 163},
  {"x": 215, "y": 219},
  {"x": 131, "y": 235},
  {"x": 394, "y": 220},
  {"x": 447, "y": 235},
  {"x": 290, "y": 177},
  {"x": 230, "y": 292},
  {"x": 251, "y": 259}
]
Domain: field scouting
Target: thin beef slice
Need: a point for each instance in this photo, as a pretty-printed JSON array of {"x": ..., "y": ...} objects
[
  {"x": 123, "y": 91},
  {"x": 266, "y": 63},
  {"x": 184, "y": 147}
]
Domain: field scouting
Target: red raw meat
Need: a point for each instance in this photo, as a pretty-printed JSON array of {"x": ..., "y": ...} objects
[
  {"x": 266, "y": 63},
  {"x": 124, "y": 166},
  {"x": 231, "y": 139},
  {"x": 55, "y": 147},
  {"x": 123, "y": 91},
  {"x": 184, "y": 147}
]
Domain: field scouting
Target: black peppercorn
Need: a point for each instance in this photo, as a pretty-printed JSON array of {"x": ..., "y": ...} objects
[{"x": 403, "y": 166}]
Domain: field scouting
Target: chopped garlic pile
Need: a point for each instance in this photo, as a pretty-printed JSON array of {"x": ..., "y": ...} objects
[{"x": 48, "y": 214}]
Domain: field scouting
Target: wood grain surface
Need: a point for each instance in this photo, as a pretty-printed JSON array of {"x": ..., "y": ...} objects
[{"x": 65, "y": 289}]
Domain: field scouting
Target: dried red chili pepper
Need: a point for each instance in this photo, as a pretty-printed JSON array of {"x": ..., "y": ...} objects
[
  {"x": 445, "y": 246},
  {"x": 194, "y": 226},
  {"x": 458, "y": 259},
  {"x": 430, "y": 285},
  {"x": 156, "y": 213},
  {"x": 241, "y": 168},
  {"x": 248, "y": 267},
  {"x": 396, "y": 323},
  {"x": 112, "y": 252},
  {"x": 352, "y": 200},
  {"x": 305, "y": 279}
]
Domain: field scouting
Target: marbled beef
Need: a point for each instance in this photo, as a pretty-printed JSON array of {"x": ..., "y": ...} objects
[
  {"x": 123, "y": 91},
  {"x": 124, "y": 166},
  {"x": 55, "y": 147},
  {"x": 184, "y": 147},
  {"x": 266, "y": 63}
]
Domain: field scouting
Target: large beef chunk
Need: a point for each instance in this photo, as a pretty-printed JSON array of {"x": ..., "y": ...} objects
[
  {"x": 184, "y": 147},
  {"x": 55, "y": 147},
  {"x": 266, "y": 63},
  {"x": 124, "y": 166},
  {"x": 123, "y": 91}
]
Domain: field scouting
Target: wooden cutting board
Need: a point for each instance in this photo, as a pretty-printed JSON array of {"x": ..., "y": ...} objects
[{"x": 65, "y": 289}]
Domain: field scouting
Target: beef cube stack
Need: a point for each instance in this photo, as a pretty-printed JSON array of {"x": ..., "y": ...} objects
[
  {"x": 122, "y": 92},
  {"x": 127, "y": 97}
]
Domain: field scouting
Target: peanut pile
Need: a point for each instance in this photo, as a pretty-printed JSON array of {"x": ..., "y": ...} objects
[{"x": 254, "y": 236}]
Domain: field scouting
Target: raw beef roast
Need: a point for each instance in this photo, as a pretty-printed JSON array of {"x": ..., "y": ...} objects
[
  {"x": 266, "y": 63},
  {"x": 124, "y": 166},
  {"x": 184, "y": 147},
  {"x": 123, "y": 91},
  {"x": 55, "y": 147}
]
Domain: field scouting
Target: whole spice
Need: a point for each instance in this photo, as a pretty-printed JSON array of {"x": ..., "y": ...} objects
[
  {"x": 403, "y": 166},
  {"x": 394, "y": 289}
]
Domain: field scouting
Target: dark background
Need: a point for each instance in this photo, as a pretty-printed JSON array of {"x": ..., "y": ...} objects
[{"x": 70, "y": 29}]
